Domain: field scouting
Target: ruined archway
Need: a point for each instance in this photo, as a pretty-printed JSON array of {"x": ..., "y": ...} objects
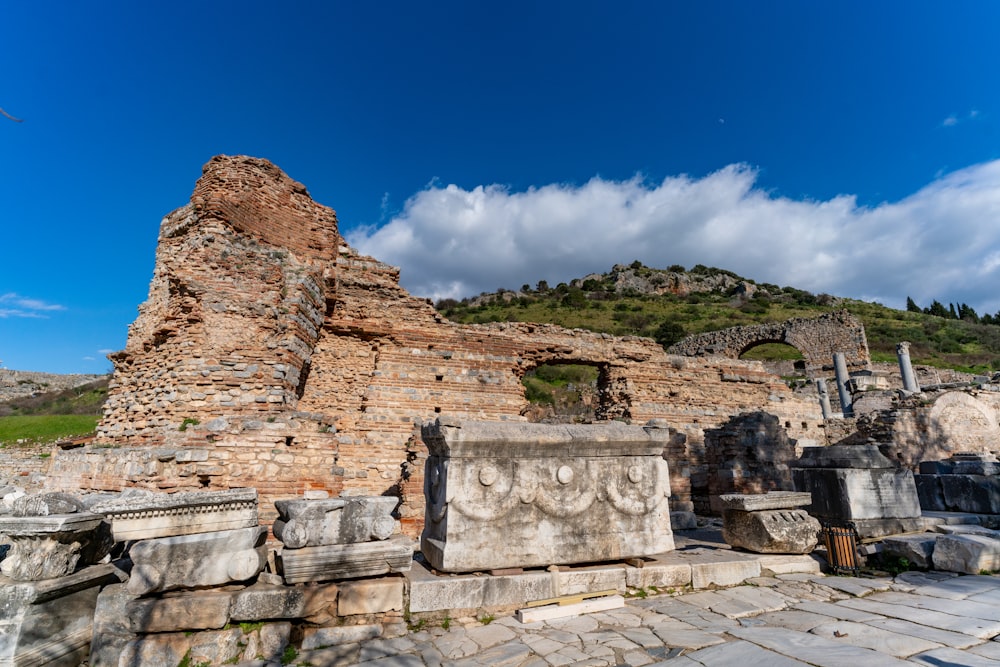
[{"x": 818, "y": 339}]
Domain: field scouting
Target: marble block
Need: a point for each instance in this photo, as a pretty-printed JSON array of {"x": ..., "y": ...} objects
[
  {"x": 141, "y": 515},
  {"x": 310, "y": 523},
  {"x": 773, "y": 500},
  {"x": 192, "y": 561},
  {"x": 346, "y": 561},
  {"x": 782, "y": 531},
  {"x": 43, "y": 547},
  {"x": 502, "y": 495}
]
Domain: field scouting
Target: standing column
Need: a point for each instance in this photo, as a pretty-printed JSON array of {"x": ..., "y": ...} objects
[
  {"x": 840, "y": 368},
  {"x": 903, "y": 355},
  {"x": 824, "y": 397}
]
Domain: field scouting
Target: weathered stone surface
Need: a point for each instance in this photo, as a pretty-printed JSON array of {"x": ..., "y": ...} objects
[
  {"x": 263, "y": 601},
  {"x": 780, "y": 531},
  {"x": 46, "y": 504},
  {"x": 370, "y": 596},
  {"x": 111, "y": 626},
  {"x": 346, "y": 561},
  {"x": 917, "y": 549},
  {"x": 137, "y": 514},
  {"x": 541, "y": 487},
  {"x": 970, "y": 554},
  {"x": 856, "y": 483},
  {"x": 54, "y": 545},
  {"x": 313, "y": 638},
  {"x": 772, "y": 500},
  {"x": 49, "y": 622},
  {"x": 313, "y": 523},
  {"x": 190, "y": 561},
  {"x": 195, "y": 610}
]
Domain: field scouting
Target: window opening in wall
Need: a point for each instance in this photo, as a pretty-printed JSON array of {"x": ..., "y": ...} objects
[
  {"x": 439, "y": 378},
  {"x": 289, "y": 441},
  {"x": 561, "y": 393}
]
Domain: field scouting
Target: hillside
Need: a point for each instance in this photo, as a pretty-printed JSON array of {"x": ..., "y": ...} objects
[{"x": 668, "y": 304}]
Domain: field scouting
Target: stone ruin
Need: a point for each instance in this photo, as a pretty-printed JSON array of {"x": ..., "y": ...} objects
[{"x": 271, "y": 354}]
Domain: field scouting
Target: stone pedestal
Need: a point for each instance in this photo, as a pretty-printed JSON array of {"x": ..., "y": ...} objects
[
  {"x": 966, "y": 482},
  {"x": 857, "y": 483},
  {"x": 771, "y": 523},
  {"x": 502, "y": 495}
]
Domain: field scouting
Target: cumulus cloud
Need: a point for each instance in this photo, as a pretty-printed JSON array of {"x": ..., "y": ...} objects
[
  {"x": 14, "y": 305},
  {"x": 941, "y": 243},
  {"x": 954, "y": 119}
]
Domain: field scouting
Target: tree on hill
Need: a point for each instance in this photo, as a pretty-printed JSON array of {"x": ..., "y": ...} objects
[{"x": 911, "y": 306}]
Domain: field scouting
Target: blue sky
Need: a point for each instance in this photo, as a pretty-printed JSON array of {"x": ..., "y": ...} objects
[{"x": 850, "y": 148}]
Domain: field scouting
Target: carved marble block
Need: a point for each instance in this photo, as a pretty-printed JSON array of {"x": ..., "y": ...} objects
[
  {"x": 142, "y": 515},
  {"x": 53, "y": 545},
  {"x": 502, "y": 495},
  {"x": 311, "y": 523}
]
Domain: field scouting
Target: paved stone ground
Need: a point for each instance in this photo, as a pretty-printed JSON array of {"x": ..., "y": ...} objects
[{"x": 788, "y": 620}]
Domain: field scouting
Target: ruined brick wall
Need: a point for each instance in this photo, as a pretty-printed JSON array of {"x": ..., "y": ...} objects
[
  {"x": 306, "y": 365},
  {"x": 816, "y": 338}
]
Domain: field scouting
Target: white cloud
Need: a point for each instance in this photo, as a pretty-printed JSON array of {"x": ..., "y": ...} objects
[
  {"x": 954, "y": 119},
  {"x": 14, "y": 305},
  {"x": 941, "y": 243}
]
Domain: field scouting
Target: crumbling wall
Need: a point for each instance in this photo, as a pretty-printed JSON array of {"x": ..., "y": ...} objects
[{"x": 292, "y": 362}]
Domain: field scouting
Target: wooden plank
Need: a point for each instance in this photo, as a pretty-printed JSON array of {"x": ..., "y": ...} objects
[
  {"x": 562, "y": 611},
  {"x": 570, "y": 599}
]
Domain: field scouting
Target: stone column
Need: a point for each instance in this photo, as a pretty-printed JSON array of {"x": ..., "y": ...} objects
[
  {"x": 903, "y": 355},
  {"x": 840, "y": 368},
  {"x": 824, "y": 397}
]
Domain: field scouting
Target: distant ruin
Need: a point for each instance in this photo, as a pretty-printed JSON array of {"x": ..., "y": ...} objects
[{"x": 271, "y": 353}]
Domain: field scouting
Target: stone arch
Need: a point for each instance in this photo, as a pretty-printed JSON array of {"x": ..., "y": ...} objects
[{"x": 816, "y": 338}]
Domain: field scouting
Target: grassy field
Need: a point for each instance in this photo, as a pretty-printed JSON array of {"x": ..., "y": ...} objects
[{"x": 33, "y": 429}]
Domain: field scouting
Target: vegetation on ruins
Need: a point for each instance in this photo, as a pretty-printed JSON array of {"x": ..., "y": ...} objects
[{"x": 668, "y": 304}]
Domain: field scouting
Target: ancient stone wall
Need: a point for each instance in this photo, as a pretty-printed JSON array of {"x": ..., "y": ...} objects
[
  {"x": 816, "y": 338},
  {"x": 286, "y": 360}
]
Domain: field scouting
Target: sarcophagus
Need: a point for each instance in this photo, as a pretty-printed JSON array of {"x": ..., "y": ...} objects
[{"x": 501, "y": 495}]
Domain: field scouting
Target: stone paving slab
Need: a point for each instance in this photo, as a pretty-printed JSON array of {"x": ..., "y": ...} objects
[
  {"x": 854, "y": 585},
  {"x": 958, "y": 588},
  {"x": 945, "y": 637},
  {"x": 837, "y": 611},
  {"x": 932, "y": 619},
  {"x": 964, "y": 607},
  {"x": 815, "y": 650},
  {"x": 742, "y": 653},
  {"x": 945, "y": 657},
  {"x": 879, "y": 639}
]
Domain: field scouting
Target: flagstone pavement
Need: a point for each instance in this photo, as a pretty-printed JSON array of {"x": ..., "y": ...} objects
[{"x": 931, "y": 618}]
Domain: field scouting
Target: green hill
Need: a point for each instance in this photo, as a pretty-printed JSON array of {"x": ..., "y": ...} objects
[
  {"x": 52, "y": 416},
  {"x": 668, "y": 304}
]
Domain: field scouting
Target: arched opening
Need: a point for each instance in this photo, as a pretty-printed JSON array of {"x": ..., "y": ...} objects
[
  {"x": 778, "y": 358},
  {"x": 561, "y": 393}
]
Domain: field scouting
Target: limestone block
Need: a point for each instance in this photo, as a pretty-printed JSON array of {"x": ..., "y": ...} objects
[
  {"x": 140, "y": 515},
  {"x": 929, "y": 492},
  {"x": 50, "y": 622},
  {"x": 346, "y": 561},
  {"x": 263, "y": 601},
  {"x": 46, "y": 504},
  {"x": 541, "y": 487},
  {"x": 779, "y": 531},
  {"x": 978, "y": 494},
  {"x": 203, "y": 559},
  {"x": 52, "y": 545},
  {"x": 370, "y": 596},
  {"x": 217, "y": 647},
  {"x": 196, "y": 610},
  {"x": 312, "y": 523},
  {"x": 970, "y": 554},
  {"x": 434, "y": 593},
  {"x": 773, "y": 500},
  {"x": 917, "y": 549},
  {"x": 111, "y": 626},
  {"x": 313, "y": 638},
  {"x": 723, "y": 572}
]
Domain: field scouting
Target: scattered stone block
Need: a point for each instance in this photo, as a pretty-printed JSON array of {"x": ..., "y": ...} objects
[
  {"x": 917, "y": 549},
  {"x": 542, "y": 486},
  {"x": 111, "y": 626},
  {"x": 773, "y": 500},
  {"x": 552, "y": 611},
  {"x": 778, "y": 531},
  {"x": 683, "y": 520},
  {"x": 346, "y": 561},
  {"x": 137, "y": 514},
  {"x": 370, "y": 596},
  {"x": 264, "y": 601},
  {"x": 197, "y": 610},
  {"x": 970, "y": 554},
  {"x": 311, "y": 523},
  {"x": 191, "y": 561},
  {"x": 314, "y": 638}
]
